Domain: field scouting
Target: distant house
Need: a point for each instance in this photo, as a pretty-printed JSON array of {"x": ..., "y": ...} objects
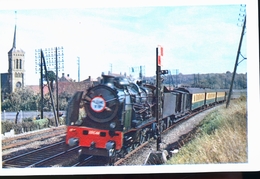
[
  {"x": 66, "y": 85},
  {"x": 5, "y": 83},
  {"x": 65, "y": 78},
  {"x": 71, "y": 87},
  {"x": 36, "y": 89}
]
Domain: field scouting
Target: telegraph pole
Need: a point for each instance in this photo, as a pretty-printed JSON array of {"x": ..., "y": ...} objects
[
  {"x": 78, "y": 69},
  {"x": 57, "y": 86},
  {"x": 41, "y": 86},
  {"x": 47, "y": 79},
  {"x": 236, "y": 63}
]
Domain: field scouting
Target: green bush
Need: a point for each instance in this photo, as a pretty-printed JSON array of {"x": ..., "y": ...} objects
[
  {"x": 41, "y": 123},
  {"x": 211, "y": 123},
  {"x": 52, "y": 121},
  {"x": 6, "y": 126},
  {"x": 62, "y": 120},
  {"x": 18, "y": 128},
  {"x": 27, "y": 125}
]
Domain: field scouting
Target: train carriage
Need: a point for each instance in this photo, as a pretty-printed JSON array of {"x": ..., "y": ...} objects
[
  {"x": 176, "y": 103},
  {"x": 210, "y": 97},
  {"x": 220, "y": 96},
  {"x": 184, "y": 102},
  {"x": 197, "y": 97}
]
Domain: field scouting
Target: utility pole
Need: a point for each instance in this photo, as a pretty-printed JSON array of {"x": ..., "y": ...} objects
[
  {"x": 236, "y": 63},
  {"x": 172, "y": 73},
  {"x": 78, "y": 69},
  {"x": 198, "y": 80},
  {"x": 176, "y": 77},
  {"x": 41, "y": 86},
  {"x": 194, "y": 80},
  {"x": 51, "y": 96},
  {"x": 57, "y": 85},
  {"x": 141, "y": 73}
]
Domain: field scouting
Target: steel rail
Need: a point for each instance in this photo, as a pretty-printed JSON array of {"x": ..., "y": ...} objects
[
  {"x": 31, "y": 152},
  {"x": 51, "y": 157},
  {"x": 83, "y": 162}
]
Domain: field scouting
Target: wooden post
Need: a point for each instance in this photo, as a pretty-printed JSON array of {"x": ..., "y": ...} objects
[
  {"x": 57, "y": 87},
  {"x": 158, "y": 98},
  {"x": 236, "y": 63},
  {"x": 41, "y": 86},
  {"x": 51, "y": 96}
]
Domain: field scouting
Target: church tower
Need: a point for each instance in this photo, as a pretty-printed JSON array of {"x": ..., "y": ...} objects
[{"x": 15, "y": 66}]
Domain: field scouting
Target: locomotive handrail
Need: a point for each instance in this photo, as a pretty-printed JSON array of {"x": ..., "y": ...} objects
[{"x": 111, "y": 99}]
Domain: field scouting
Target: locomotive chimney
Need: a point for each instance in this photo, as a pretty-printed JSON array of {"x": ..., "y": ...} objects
[{"x": 108, "y": 80}]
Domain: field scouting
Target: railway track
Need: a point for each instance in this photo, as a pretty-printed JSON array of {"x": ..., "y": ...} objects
[
  {"x": 92, "y": 161},
  {"x": 42, "y": 157},
  {"x": 24, "y": 139}
]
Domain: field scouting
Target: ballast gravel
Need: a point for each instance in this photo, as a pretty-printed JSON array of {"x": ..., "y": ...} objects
[
  {"x": 8, "y": 153},
  {"x": 169, "y": 139}
]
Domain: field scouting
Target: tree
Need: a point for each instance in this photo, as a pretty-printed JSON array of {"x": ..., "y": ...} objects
[
  {"x": 21, "y": 99},
  {"x": 13, "y": 102},
  {"x": 64, "y": 97},
  {"x": 51, "y": 77}
]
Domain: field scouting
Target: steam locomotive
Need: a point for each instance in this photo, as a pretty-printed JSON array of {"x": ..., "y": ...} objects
[{"x": 114, "y": 117}]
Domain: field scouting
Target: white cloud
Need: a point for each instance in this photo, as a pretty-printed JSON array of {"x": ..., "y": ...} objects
[{"x": 127, "y": 38}]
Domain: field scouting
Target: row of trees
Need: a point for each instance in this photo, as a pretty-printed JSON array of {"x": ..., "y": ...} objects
[
  {"x": 213, "y": 80},
  {"x": 26, "y": 100}
]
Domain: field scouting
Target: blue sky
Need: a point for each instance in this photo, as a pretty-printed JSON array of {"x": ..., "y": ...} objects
[{"x": 196, "y": 38}]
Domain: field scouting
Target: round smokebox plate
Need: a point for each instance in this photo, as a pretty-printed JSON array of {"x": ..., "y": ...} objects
[{"x": 98, "y": 104}]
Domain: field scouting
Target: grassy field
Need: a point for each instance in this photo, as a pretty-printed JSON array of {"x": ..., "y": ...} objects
[{"x": 220, "y": 138}]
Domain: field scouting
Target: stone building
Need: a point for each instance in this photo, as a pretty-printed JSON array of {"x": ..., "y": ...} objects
[{"x": 14, "y": 78}]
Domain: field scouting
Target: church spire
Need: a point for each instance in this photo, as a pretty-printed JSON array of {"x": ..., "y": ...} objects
[{"x": 14, "y": 42}]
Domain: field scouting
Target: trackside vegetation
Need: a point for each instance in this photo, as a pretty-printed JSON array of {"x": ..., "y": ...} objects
[
  {"x": 28, "y": 125},
  {"x": 220, "y": 138}
]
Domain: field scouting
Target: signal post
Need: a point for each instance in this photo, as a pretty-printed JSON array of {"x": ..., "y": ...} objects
[{"x": 158, "y": 111}]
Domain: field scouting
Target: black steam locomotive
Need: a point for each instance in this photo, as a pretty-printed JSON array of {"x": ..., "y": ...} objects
[{"x": 114, "y": 117}]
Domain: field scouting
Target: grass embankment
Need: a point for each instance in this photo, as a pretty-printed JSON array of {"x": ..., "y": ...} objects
[{"x": 220, "y": 138}]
